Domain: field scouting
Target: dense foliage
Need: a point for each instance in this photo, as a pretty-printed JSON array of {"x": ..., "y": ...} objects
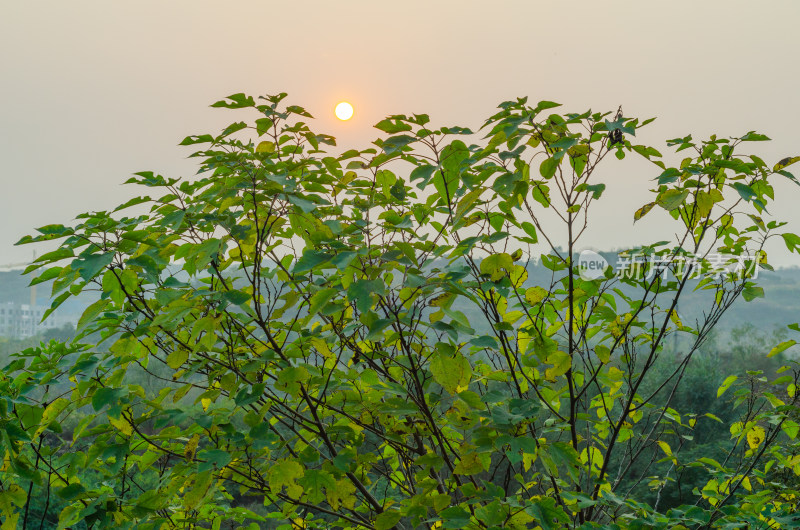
[{"x": 306, "y": 317}]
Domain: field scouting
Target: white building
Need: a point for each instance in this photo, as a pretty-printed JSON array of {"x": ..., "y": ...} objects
[{"x": 20, "y": 321}]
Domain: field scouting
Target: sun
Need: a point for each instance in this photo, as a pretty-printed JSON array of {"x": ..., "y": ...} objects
[{"x": 344, "y": 111}]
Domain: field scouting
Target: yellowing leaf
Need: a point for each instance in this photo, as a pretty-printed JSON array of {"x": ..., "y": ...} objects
[
  {"x": 453, "y": 372},
  {"x": 783, "y": 346},
  {"x": 191, "y": 446},
  {"x": 603, "y": 353},
  {"x": 442, "y": 300},
  {"x": 791, "y": 428},
  {"x": 703, "y": 204},
  {"x": 198, "y": 489},
  {"x": 641, "y": 212},
  {"x": 50, "y": 414},
  {"x": 534, "y": 295},
  {"x": 746, "y": 484},
  {"x": 343, "y": 493},
  {"x": 11, "y": 521},
  {"x": 177, "y": 358},
  {"x": 468, "y": 200},
  {"x": 497, "y": 265},
  {"x": 469, "y": 464},
  {"x": 726, "y": 384},
  {"x": 122, "y": 425},
  {"x": 593, "y": 456},
  {"x": 788, "y": 161},
  {"x": 561, "y": 362},
  {"x": 387, "y": 519},
  {"x": 320, "y": 299},
  {"x": 518, "y": 275},
  {"x": 265, "y": 147},
  {"x": 755, "y": 436},
  {"x": 665, "y": 447},
  {"x": 284, "y": 473}
]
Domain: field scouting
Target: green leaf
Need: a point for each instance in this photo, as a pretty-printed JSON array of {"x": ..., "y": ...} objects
[
  {"x": 547, "y": 514},
  {"x": 232, "y": 128},
  {"x": 237, "y": 101},
  {"x": 71, "y": 491},
  {"x": 107, "y": 396},
  {"x": 448, "y": 180},
  {"x": 310, "y": 259},
  {"x": 150, "y": 501},
  {"x": 47, "y": 275},
  {"x": 791, "y": 428},
  {"x": 304, "y": 204},
  {"x": 361, "y": 292},
  {"x": 191, "y": 140},
  {"x": 91, "y": 266},
  {"x": 792, "y": 242},
  {"x": 704, "y": 202},
  {"x": 596, "y": 190},
  {"x": 236, "y": 297},
  {"x": 55, "y": 230},
  {"x": 548, "y": 167},
  {"x": 753, "y": 136},
  {"x": 541, "y": 194},
  {"x": 91, "y": 313},
  {"x": 672, "y": 199},
  {"x": 215, "y": 459},
  {"x": 544, "y": 105},
  {"x": 745, "y": 191},
  {"x": 289, "y": 378},
  {"x": 455, "y": 517},
  {"x": 392, "y": 125},
  {"x": 423, "y": 172},
  {"x": 752, "y": 292},
  {"x": 467, "y": 201},
  {"x": 263, "y": 125},
  {"x": 321, "y": 298},
  {"x": 531, "y": 231},
  {"x": 669, "y": 176},
  {"x": 315, "y": 482},
  {"x": 395, "y": 144},
  {"x": 387, "y": 520}
]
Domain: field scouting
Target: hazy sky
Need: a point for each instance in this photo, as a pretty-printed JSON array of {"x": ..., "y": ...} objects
[{"x": 92, "y": 91}]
